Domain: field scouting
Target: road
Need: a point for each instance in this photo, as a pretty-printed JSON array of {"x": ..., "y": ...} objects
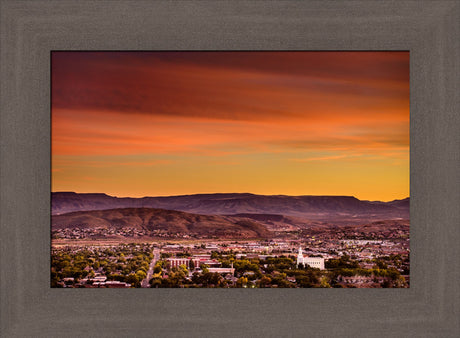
[{"x": 156, "y": 257}]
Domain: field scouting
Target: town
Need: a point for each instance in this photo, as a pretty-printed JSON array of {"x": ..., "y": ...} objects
[{"x": 340, "y": 257}]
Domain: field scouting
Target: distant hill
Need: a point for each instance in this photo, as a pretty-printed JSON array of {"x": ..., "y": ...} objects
[
  {"x": 404, "y": 203},
  {"x": 309, "y": 207},
  {"x": 160, "y": 219}
]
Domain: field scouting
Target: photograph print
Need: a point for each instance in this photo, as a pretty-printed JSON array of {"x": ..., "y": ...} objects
[{"x": 230, "y": 169}]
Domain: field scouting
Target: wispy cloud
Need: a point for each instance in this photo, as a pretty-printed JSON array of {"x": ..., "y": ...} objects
[{"x": 120, "y": 117}]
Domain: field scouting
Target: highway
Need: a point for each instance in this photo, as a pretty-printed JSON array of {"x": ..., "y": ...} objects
[{"x": 156, "y": 257}]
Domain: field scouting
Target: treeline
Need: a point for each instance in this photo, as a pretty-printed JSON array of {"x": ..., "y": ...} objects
[
  {"x": 347, "y": 267},
  {"x": 127, "y": 263}
]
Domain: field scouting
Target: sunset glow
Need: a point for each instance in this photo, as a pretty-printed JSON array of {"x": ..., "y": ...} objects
[{"x": 173, "y": 123}]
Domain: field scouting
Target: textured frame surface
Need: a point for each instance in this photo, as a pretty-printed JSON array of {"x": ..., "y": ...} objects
[{"x": 31, "y": 29}]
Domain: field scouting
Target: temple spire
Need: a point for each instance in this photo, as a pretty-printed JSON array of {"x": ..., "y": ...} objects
[{"x": 300, "y": 256}]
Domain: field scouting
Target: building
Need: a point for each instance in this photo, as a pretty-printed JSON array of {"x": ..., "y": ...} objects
[
  {"x": 117, "y": 284},
  {"x": 197, "y": 261},
  {"x": 176, "y": 262},
  {"x": 314, "y": 262},
  {"x": 222, "y": 270}
]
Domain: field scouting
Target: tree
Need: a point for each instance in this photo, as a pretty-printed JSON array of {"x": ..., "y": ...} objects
[
  {"x": 209, "y": 279},
  {"x": 241, "y": 282},
  {"x": 380, "y": 264},
  {"x": 175, "y": 278},
  {"x": 133, "y": 280},
  {"x": 140, "y": 275},
  {"x": 157, "y": 268},
  {"x": 400, "y": 282},
  {"x": 324, "y": 283},
  {"x": 183, "y": 267},
  {"x": 393, "y": 273},
  {"x": 264, "y": 281},
  {"x": 155, "y": 282},
  {"x": 204, "y": 267}
]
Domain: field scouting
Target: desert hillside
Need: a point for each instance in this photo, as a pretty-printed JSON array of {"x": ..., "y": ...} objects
[{"x": 159, "y": 219}]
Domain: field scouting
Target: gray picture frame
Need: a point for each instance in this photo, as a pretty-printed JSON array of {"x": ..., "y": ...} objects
[{"x": 430, "y": 30}]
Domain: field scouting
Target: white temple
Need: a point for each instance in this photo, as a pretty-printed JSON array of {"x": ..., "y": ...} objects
[{"x": 314, "y": 262}]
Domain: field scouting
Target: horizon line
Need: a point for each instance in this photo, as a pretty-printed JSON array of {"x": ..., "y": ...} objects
[{"x": 226, "y": 193}]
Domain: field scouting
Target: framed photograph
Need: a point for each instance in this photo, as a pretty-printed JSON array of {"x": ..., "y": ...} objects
[
  {"x": 238, "y": 89},
  {"x": 230, "y": 169}
]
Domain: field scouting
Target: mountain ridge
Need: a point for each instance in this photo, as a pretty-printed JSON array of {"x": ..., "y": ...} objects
[{"x": 307, "y": 206}]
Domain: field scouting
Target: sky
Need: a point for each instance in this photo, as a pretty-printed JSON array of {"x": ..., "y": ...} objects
[{"x": 273, "y": 123}]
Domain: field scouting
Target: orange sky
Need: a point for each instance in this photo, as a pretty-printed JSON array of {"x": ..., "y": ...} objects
[{"x": 170, "y": 123}]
